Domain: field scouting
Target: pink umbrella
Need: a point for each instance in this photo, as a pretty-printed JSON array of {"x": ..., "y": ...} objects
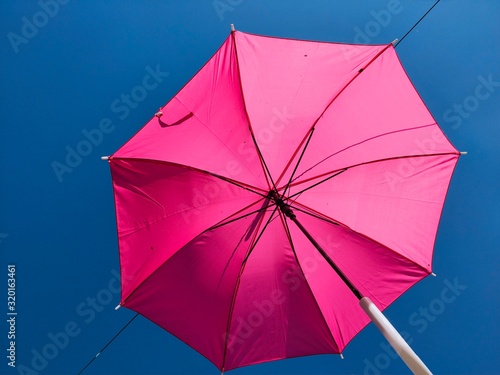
[{"x": 285, "y": 196}]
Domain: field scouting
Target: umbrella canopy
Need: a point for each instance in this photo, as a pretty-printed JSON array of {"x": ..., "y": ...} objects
[{"x": 274, "y": 150}]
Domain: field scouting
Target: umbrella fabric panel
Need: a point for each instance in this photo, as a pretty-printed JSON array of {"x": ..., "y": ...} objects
[
  {"x": 191, "y": 294},
  {"x": 379, "y": 115},
  {"x": 204, "y": 126},
  {"x": 275, "y": 314},
  {"x": 287, "y": 84},
  {"x": 161, "y": 207},
  {"x": 395, "y": 202}
]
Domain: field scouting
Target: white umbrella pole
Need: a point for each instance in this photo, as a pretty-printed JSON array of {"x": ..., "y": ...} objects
[{"x": 394, "y": 338}]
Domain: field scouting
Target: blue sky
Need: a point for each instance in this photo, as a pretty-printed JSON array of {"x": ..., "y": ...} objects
[{"x": 64, "y": 68}]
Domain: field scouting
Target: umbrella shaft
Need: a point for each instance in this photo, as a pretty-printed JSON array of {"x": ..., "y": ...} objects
[
  {"x": 327, "y": 258},
  {"x": 288, "y": 212}
]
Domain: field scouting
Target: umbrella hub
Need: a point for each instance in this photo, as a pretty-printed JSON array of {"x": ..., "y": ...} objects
[{"x": 285, "y": 208}]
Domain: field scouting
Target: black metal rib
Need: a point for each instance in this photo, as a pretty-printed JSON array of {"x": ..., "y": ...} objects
[{"x": 235, "y": 293}]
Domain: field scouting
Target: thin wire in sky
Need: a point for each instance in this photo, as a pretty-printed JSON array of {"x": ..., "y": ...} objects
[
  {"x": 109, "y": 342},
  {"x": 421, "y": 18}
]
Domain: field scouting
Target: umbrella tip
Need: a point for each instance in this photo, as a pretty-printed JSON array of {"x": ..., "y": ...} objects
[
  {"x": 104, "y": 157},
  {"x": 341, "y": 356},
  {"x": 463, "y": 152},
  {"x": 433, "y": 274},
  {"x": 232, "y": 27},
  {"x": 159, "y": 113},
  {"x": 394, "y": 41},
  {"x": 117, "y": 307}
]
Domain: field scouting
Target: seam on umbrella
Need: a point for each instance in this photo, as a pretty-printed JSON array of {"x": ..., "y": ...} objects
[
  {"x": 287, "y": 231},
  {"x": 141, "y": 192},
  {"x": 252, "y": 246},
  {"x": 268, "y": 175}
]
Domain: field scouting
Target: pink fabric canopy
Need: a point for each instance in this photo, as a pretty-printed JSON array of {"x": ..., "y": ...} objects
[{"x": 342, "y": 136}]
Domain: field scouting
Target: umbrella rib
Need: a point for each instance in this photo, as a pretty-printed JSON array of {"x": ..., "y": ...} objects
[
  {"x": 314, "y": 213},
  {"x": 237, "y": 285},
  {"x": 287, "y": 230},
  {"x": 245, "y": 186},
  {"x": 358, "y": 73},
  {"x": 364, "y": 163},
  {"x": 308, "y": 211},
  {"x": 364, "y": 141},
  {"x": 268, "y": 175},
  {"x": 287, "y": 186},
  {"x": 320, "y": 182},
  {"x": 224, "y": 222}
]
